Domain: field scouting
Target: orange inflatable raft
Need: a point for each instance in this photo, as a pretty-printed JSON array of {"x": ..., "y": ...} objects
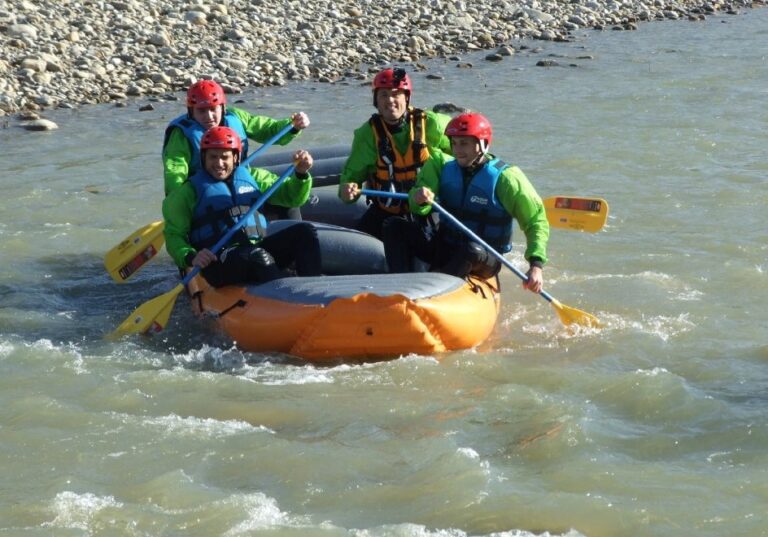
[
  {"x": 357, "y": 311},
  {"x": 358, "y": 317}
]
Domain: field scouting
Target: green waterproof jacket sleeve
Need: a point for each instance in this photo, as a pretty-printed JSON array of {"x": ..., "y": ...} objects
[
  {"x": 176, "y": 157},
  {"x": 429, "y": 177},
  {"x": 436, "y": 138},
  {"x": 361, "y": 163},
  {"x": 262, "y": 128},
  {"x": 294, "y": 192},
  {"x": 179, "y": 206},
  {"x": 516, "y": 194},
  {"x": 521, "y": 200}
]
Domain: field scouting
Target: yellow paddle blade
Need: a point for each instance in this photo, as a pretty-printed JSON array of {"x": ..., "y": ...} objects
[
  {"x": 126, "y": 258},
  {"x": 150, "y": 317},
  {"x": 569, "y": 315},
  {"x": 582, "y": 214}
]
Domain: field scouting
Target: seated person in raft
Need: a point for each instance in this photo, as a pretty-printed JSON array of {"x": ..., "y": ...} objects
[
  {"x": 390, "y": 148},
  {"x": 485, "y": 194},
  {"x": 200, "y": 211}
]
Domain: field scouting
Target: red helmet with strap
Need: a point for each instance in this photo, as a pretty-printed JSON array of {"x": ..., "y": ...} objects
[
  {"x": 221, "y": 138},
  {"x": 471, "y": 124},
  {"x": 205, "y": 94},
  {"x": 392, "y": 79}
]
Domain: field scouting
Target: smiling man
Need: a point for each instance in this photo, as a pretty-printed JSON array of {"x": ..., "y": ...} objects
[
  {"x": 484, "y": 193},
  {"x": 390, "y": 148}
]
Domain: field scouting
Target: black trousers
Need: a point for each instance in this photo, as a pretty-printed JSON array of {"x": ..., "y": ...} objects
[
  {"x": 373, "y": 219},
  {"x": 405, "y": 240},
  {"x": 294, "y": 249}
]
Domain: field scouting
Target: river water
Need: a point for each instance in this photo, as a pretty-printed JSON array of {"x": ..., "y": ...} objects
[{"x": 655, "y": 425}]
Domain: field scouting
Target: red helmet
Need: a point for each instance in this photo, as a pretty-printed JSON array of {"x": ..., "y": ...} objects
[
  {"x": 221, "y": 138},
  {"x": 205, "y": 94},
  {"x": 471, "y": 124},
  {"x": 392, "y": 79}
]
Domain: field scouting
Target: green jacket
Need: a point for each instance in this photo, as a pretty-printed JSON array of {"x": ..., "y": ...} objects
[
  {"x": 516, "y": 194},
  {"x": 177, "y": 152},
  {"x": 361, "y": 163},
  {"x": 179, "y": 206}
]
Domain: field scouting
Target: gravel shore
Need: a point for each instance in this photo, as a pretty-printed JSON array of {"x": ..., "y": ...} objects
[{"x": 65, "y": 53}]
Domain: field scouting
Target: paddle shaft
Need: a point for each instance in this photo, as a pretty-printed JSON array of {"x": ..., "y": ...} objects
[
  {"x": 471, "y": 234},
  {"x": 240, "y": 223},
  {"x": 267, "y": 144}
]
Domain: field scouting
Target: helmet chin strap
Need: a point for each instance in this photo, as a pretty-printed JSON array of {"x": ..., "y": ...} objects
[
  {"x": 476, "y": 162},
  {"x": 480, "y": 158}
]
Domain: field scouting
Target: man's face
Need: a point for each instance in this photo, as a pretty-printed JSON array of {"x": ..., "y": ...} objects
[
  {"x": 220, "y": 163},
  {"x": 466, "y": 149},
  {"x": 209, "y": 116},
  {"x": 391, "y": 104}
]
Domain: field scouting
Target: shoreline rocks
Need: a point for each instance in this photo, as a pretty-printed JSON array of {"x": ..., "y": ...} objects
[{"x": 67, "y": 53}]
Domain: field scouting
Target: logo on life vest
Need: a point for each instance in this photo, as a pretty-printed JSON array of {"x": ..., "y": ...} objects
[
  {"x": 245, "y": 189},
  {"x": 479, "y": 200}
]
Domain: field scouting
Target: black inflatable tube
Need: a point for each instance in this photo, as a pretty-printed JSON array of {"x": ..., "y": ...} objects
[
  {"x": 318, "y": 153},
  {"x": 342, "y": 250},
  {"x": 324, "y": 204},
  {"x": 324, "y": 172}
]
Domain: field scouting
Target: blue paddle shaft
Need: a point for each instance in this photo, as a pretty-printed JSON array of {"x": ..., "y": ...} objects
[
  {"x": 457, "y": 223},
  {"x": 267, "y": 144},
  {"x": 240, "y": 223}
]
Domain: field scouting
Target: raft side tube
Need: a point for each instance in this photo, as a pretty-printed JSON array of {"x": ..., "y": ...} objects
[
  {"x": 343, "y": 250},
  {"x": 324, "y": 172},
  {"x": 319, "y": 153},
  {"x": 326, "y": 168},
  {"x": 324, "y": 205},
  {"x": 322, "y": 290}
]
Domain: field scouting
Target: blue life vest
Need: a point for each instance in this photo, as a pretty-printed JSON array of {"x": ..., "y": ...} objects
[
  {"x": 194, "y": 133},
  {"x": 220, "y": 204},
  {"x": 477, "y": 207}
]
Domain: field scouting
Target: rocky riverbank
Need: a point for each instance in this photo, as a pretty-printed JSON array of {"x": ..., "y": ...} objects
[{"x": 65, "y": 53}]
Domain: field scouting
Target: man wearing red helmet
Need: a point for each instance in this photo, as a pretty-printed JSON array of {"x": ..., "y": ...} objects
[
  {"x": 206, "y": 108},
  {"x": 199, "y": 212},
  {"x": 483, "y": 192},
  {"x": 389, "y": 149}
]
